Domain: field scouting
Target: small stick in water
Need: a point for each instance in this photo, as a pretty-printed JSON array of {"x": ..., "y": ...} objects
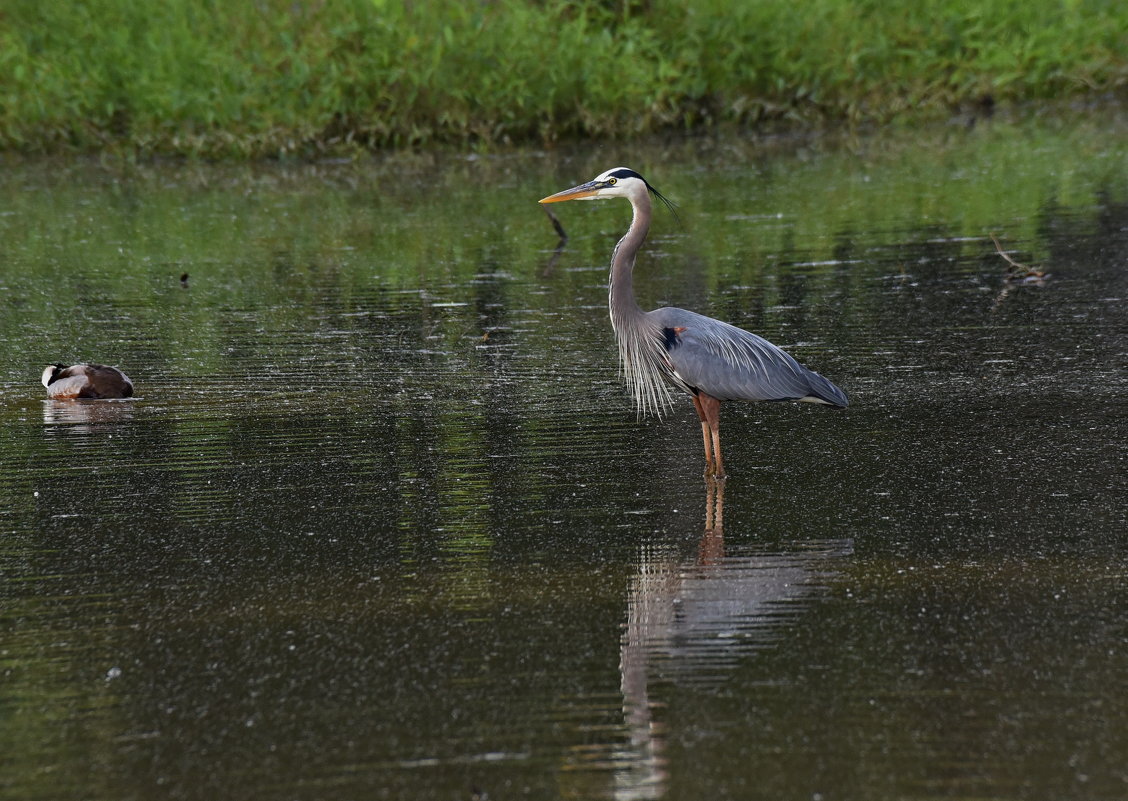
[
  {"x": 560, "y": 232},
  {"x": 1018, "y": 270}
]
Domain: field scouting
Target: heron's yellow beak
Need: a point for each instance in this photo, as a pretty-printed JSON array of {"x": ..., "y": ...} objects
[{"x": 581, "y": 192}]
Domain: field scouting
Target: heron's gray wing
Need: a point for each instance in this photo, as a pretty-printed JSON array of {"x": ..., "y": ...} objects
[{"x": 730, "y": 363}]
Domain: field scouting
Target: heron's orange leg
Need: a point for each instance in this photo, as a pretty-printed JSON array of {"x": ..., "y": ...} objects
[
  {"x": 709, "y": 410},
  {"x": 704, "y": 435},
  {"x": 712, "y": 408}
]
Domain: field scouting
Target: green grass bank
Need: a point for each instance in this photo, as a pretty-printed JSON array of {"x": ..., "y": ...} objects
[{"x": 301, "y": 77}]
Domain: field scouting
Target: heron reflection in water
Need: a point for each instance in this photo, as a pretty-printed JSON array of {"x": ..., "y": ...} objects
[
  {"x": 692, "y": 618},
  {"x": 671, "y": 348}
]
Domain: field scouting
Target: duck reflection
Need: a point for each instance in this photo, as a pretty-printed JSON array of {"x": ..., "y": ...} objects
[
  {"x": 690, "y": 620},
  {"x": 84, "y": 416}
]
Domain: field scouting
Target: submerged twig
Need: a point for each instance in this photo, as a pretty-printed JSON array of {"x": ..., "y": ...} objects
[
  {"x": 560, "y": 232},
  {"x": 1018, "y": 274},
  {"x": 1018, "y": 270}
]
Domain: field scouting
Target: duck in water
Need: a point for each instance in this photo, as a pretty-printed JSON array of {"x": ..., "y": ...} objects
[{"x": 94, "y": 381}]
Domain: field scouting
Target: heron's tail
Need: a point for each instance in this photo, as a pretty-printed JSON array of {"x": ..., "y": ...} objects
[{"x": 823, "y": 391}]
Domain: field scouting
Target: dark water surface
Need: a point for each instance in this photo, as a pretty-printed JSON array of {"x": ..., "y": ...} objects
[{"x": 383, "y": 524}]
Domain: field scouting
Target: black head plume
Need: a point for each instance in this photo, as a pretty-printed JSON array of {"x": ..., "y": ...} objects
[{"x": 669, "y": 204}]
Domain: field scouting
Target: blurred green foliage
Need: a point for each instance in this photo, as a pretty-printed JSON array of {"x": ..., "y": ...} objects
[{"x": 277, "y": 77}]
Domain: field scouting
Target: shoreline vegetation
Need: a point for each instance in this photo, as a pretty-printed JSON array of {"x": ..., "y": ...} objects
[{"x": 317, "y": 78}]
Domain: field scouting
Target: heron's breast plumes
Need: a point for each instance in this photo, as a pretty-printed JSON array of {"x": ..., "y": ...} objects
[{"x": 644, "y": 364}]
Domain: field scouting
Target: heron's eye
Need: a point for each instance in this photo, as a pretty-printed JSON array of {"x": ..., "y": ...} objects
[{"x": 612, "y": 180}]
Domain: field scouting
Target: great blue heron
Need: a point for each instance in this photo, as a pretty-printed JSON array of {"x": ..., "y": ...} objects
[
  {"x": 674, "y": 348},
  {"x": 94, "y": 381}
]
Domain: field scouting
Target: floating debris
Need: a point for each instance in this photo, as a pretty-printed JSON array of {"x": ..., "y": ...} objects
[
  {"x": 550, "y": 265},
  {"x": 560, "y": 232},
  {"x": 1018, "y": 272}
]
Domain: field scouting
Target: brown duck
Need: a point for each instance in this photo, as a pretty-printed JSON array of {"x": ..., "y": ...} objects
[{"x": 86, "y": 381}]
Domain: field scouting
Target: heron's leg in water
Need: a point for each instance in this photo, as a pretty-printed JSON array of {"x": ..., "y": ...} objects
[
  {"x": 709, "y": 410},
  {"x": 704, "y": 435},
  {"x": 711, "y": 414}
]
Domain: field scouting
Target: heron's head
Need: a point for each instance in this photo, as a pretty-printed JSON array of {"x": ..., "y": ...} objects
[{"x": 617, "y": 182}]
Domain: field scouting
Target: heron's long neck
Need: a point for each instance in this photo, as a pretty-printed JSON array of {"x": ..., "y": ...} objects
[
  {"x": 640, "y": 347},
  {"x": 621, "y": 300}
]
